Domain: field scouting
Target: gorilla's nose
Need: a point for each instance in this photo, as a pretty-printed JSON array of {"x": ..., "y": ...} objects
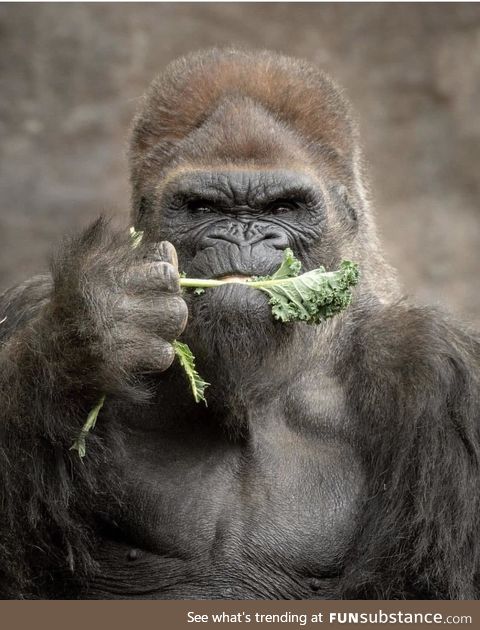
[{"x": 249, "y": 234}]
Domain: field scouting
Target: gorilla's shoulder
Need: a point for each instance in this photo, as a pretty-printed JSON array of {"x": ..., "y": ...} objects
[
  {"x": 415, "y": 343},
  {"x": 413, "y": 382}
]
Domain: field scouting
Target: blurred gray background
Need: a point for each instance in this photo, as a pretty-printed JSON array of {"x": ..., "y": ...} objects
[{"x": 70, "y": 75}]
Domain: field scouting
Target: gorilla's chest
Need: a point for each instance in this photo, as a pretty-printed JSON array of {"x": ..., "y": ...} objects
[
  {"x": 294, "y": 501},
  {"x": 287, "y": 495}
]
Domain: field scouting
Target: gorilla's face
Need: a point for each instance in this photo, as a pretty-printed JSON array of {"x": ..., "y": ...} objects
[{"x": 236, "y": 223}]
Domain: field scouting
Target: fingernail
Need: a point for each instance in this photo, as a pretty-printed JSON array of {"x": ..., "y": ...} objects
[
  {"x": 174, "y": 257},
  {"x": 170, "y": 253},
  {"x": 163, "y": 250}
]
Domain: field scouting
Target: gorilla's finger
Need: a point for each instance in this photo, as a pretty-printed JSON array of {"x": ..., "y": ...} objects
[
  {"x": 162, "y": 252},
  {"x": 170, "y": 253},
  {"x": 172, "y": 317},
  {"x": 157, "y": 357},
  {"x": 153, "y": 276},
  {"x": 141, "y": 352},
  {"x": 167, "y": 316}
]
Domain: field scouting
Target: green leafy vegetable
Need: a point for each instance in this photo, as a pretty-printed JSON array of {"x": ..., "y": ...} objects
[
  {"x": 137, "y": 236},
  {"x": 289, "y": 268},
  {"x": 311, "y": 297},
  {"x": 80, "y": 443},
  {"x": 187, "y": 361}
]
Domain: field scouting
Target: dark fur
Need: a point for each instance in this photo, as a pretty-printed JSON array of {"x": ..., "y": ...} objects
[{"x": 396, "y": 385}]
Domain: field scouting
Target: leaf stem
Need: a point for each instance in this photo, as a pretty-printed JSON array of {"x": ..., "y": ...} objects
[
  {"x": 255, "y": 284},
  {"x": 203, "y": 283}
]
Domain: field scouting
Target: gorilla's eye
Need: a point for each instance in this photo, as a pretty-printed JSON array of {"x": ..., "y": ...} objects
[
  {"x": 200, "y": 206},
  {"x": 280, "y": 206}
]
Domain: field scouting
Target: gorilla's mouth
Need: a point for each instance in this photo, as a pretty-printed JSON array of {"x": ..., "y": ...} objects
[
  {"x": 233, "y": 296},
  {"x": 236, "y": 264},
  {"x": 234, "y": 278}
]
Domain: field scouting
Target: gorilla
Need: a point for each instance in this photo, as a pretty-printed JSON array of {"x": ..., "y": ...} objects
[{"x": 332, "y": 461}]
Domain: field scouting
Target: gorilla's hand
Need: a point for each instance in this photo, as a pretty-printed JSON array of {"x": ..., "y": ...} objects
[{"x": 118, "y": 306}]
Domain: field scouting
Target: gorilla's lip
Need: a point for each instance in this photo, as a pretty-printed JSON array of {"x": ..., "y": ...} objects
[{"x": 234, "y": 278}]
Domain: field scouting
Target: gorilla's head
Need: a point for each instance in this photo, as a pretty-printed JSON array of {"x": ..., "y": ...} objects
[{"x": 236, "y": 156}]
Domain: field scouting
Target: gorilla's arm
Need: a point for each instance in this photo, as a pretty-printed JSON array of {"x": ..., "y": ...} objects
[
  {"x": 66, "y": 340},
  {"x": 415, "y": 380},
  {"x": 22, "y": 303},
  {"x": 39, "y": 414}
]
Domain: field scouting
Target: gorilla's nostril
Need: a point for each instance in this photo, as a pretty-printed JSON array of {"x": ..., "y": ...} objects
[
  {"x": 275, "y": 236},
  {"x": 249, "y": 234}
]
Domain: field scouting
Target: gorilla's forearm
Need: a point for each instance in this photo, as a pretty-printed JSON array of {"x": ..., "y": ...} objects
[
  {"x": 92, "y": 328},
  {"x": 44, "y": 352},
  {"x": 38, "y": 348},
  {"x": 43, "y": 403},
  {"x": 41, "y": 369}
]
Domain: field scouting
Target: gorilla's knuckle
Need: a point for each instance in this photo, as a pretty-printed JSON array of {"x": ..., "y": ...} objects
[
  {"x": 169, "y": 275},
  {"x": 164, "y": 314},
  {"x": 163, "y": 251},
  {"x": 168, "y": 354},
  {"x": 152, "y": 278},
  {"x": 157, "y": 356},
  {"x": 179, "y": 307},
  {"x": 130, "y": 347},
  {"x": 173, "y": 315},
  {"x": 161, "y": 276}
]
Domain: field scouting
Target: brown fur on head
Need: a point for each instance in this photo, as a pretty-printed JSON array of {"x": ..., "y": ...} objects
[
  {"x": 239, "y": 109},
  {"x": 244, "y": 92}
]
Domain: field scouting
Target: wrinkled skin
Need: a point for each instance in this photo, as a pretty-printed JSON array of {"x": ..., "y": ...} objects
[{"x": 336, "y": 461}]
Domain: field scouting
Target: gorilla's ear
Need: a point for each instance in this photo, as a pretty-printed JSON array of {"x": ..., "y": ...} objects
[{"x": 343, "y": 203}]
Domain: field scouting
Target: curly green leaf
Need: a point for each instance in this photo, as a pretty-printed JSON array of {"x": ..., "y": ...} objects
[
  {"x": 187, "y": 361},
  {"x": 312, "y": 297}
]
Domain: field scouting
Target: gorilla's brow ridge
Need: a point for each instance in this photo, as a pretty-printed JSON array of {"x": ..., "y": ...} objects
[
  {"x": 236, "y": 188},
  {"x": 175, "y": 173}
]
